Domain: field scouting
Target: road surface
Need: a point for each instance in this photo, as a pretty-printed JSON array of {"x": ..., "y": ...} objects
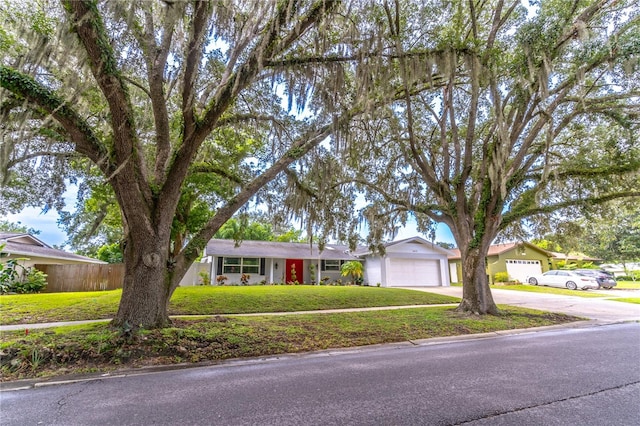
[{"x": 589, "y": 375}]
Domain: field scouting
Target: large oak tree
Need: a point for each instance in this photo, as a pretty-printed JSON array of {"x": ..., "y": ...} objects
[
  {"x": 149, "y": 92},
  {"x": 508, "y": 114}
]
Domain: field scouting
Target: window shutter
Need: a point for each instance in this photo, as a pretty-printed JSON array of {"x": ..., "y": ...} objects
[
  {"x": 219, "y": 269},
  {"x": 262, "y": 262},
  {"x": 322, "y": 266}
]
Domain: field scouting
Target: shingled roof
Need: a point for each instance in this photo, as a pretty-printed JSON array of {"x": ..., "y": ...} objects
[
  {"x": 497, "y": 249},
  {"x": 26, "y": 245},
  {"x": 275, "y": 249}
]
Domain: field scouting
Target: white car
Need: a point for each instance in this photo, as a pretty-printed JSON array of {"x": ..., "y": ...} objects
[{"x": 569, "y": 279}]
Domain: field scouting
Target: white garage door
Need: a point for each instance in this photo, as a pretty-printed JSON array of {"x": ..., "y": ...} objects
[
  {"x": 522, "y": 269},
  {"x": 413, "y": 273}
]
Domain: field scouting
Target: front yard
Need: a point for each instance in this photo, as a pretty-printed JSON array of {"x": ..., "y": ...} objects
[
  {"x": 210, "y": 300},
  {"x": 550, "y": 290},
  {"x": 629, "y": 285},
  {"x": 100, "y": 348}
]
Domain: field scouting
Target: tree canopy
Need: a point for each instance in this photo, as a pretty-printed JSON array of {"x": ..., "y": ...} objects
[
  {"x": 161, "y": 100},
  {"x": 506, "y": 115},
  {"x": 18, "y": 228},
  {"x": 610, "y": 232}
]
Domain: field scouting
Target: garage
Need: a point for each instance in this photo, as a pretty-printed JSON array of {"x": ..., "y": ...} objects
[
  {"x": 521, "y": 269},
  {"x": 414, "y": 273},
  {"x": 413, "y": 262}
]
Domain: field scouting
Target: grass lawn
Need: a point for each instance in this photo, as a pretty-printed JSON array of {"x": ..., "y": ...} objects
[
  {"x": 96, "y": 347},
  {"x": 211, "y": 300},
  {"x": 631, "y": 285},
  {"x": 550, "y": 290},
  {"x": 627, "y": 300}
]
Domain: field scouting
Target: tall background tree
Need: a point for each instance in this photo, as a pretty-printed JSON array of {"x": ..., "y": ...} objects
[
  {"x": 507, "y": 115},
  {"x": 610, "y": 232},
  {"x": 18, "y": 228}
]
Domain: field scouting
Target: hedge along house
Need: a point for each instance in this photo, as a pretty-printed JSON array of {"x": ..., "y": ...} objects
[
  {"x": 275, "y": 262},
  {"x": 519, "y": 260},
  {"x": 410, "y": 262}
]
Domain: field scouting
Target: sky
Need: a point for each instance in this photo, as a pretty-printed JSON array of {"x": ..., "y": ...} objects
[
  {"x": 52, "y": 235},
  {"x": 46, "y": 223}
]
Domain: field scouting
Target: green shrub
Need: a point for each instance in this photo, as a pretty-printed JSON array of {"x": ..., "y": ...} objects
[
  {"x": 110, "y": 253},
  {"x": 205, "y": 279},
  {"x": 30, "y": 280},
  {"x": 633, "y": 276},
  {"x": 501, "y": 277},
  {"x": 8, "y": 274}
]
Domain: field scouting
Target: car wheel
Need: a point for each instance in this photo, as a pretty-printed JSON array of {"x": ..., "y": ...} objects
[
  {"x": 608, "y": 288},
  {"x": 533, "y": 281},
  {"x": 571, "y": 285}
]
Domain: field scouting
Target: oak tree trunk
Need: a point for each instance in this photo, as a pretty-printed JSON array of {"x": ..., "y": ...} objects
[
  {"x": 476, "y": 294},
  {"x": 148, "y": 283}
]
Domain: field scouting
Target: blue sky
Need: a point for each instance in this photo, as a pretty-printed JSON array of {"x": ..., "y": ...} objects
[{"x": 45, "y": 223}]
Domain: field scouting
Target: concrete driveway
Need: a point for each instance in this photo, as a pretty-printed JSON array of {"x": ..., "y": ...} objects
[{"x": 593, "y": 308}]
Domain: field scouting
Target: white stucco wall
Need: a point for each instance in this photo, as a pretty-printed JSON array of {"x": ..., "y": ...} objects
[{"x": 373, "y": 271}]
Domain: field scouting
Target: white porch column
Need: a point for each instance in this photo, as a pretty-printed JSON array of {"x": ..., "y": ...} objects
[{"x": 271, "y": 261}]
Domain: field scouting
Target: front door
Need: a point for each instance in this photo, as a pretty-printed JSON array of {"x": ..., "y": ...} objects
[{"x": 294, "y": 271}]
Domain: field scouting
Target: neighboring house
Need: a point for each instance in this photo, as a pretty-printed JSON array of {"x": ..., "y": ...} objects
[
  {"x": 576, "y": 259},
  {"x": 410, "y": 262},
  {"x": 35, "y": 252},
  {"x": 620, "y": 270},
  {"x": 520, "y": 260}
]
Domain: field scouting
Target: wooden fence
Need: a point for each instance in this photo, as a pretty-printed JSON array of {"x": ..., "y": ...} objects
[
  {"x": 97, "y": 277},
  {"x": 89, "y": 277}
]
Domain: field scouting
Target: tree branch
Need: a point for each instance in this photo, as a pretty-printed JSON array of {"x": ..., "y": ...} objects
[
  {"x": 36, "y": 154},
  {"x": 88, "y": 25},
  {"x": 511, "y": 217},
  {"x": 156, "y": 62},
  {"x": 78, "y": 130},
  {"x": 192, "y": 64},
  {"x": 226, "y": 94},
  {"x": 207, "y": 168}
]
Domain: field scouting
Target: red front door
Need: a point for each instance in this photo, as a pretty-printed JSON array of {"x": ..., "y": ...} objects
[{"x": 293, "y": 271}]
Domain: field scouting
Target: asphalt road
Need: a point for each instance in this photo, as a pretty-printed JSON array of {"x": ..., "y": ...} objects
[{"x": 589, "y": 375}]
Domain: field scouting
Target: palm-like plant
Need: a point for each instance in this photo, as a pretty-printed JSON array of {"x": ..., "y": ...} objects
[{"x": 353, "y": 268}]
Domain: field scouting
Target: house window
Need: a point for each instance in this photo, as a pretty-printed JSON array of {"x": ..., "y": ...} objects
[
  {"x": 240, "y": 265},
  {"x": 331, "y": 265}
]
